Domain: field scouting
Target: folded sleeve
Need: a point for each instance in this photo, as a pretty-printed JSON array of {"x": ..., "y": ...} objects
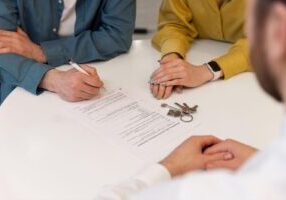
[
  {"x": 147, "y": 178},
  {"x": 112, "y": 37},
  {"x": 17, "y": 70},
  {"x": 236, "y": 60},
  {"x": 175, "y": 30}
]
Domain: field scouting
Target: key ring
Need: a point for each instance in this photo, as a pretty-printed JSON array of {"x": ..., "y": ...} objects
[{"x": 186, "y": 118}]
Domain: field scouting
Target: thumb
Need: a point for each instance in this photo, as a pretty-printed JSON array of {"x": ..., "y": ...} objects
[
  {"x": 90, "y": 70},
  {"x": 217, "y": 148},
  {"x": 223, "y": 156},
  {"x": 21, "y": 32}
]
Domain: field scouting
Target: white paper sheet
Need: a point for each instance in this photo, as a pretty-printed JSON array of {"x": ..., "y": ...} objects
[{"x": 141, "y": 127}]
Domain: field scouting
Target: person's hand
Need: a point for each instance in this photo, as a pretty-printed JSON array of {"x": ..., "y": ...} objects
[
  {"x": 179, "y": 72},
  {"x": 19, "y": 43},
  {"x": 190, "y": 156},
  {"x": 73, "y": 85},
  {"x": 241, "y": 153},
  {"x": 161, "y": 91}
]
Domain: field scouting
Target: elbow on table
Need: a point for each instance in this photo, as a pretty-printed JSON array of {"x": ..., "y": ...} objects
[{"x": 123, "y": 45}]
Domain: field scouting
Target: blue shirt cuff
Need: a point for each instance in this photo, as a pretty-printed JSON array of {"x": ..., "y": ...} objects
[
  {"x": 34, "y": 77},
  {"x": 54, "y": 53}
]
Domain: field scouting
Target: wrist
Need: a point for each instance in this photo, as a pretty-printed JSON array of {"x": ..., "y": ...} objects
[
  {"x": 215, "y": 70},
  {"x": 171, "y": 56},
  {"x": 171, "y": 168},
  {"x": 207, "y": 73},
  {"x": 50, "y": 79}
]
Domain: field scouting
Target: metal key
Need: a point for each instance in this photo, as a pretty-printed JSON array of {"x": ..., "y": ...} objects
[
  {"x": 164, "y": 105},
  {"x": 191, "y": 109},
  {"x": 185, "y": 109}
]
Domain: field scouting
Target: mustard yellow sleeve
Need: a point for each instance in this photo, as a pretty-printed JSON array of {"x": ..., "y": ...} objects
[
  {"x": 236, "y": 60},
  {"x": 175, "y": 30}
]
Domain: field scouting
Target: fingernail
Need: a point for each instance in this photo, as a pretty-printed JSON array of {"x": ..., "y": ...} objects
[
  {"x": 154, "y": 82},
  {"x": 228, "y": 156}
]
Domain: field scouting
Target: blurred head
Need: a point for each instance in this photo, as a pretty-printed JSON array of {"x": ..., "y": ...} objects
[{"x": 266, "y": 30}]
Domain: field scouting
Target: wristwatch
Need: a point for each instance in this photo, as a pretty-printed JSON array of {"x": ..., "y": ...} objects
[{"x": 215, "y": 69}]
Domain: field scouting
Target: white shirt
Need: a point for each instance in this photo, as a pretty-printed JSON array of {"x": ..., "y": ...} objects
[
  {"x": 261, "y": 178},
  {"x": 68, "y": 18}
]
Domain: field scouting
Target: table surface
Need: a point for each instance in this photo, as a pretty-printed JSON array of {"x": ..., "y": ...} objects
[{"x": 45, "y": 154}]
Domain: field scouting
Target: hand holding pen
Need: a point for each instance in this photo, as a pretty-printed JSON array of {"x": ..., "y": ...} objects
[{"x": 77, "y": 84}]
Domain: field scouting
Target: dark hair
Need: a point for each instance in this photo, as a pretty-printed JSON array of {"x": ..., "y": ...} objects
[
  {"x": 262, "y": 11},
  {"x": 258, "y": 50}
]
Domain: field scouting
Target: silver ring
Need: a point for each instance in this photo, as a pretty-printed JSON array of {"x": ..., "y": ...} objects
[{"x": 187, "y": 118}]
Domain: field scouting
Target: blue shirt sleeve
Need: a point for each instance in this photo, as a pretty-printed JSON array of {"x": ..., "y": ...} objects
[
  {"x": 112, "y": 37},
  {"x": 17, "y": 70}
]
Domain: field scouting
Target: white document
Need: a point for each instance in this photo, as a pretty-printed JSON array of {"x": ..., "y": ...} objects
[{"x": 144, "y": 129}]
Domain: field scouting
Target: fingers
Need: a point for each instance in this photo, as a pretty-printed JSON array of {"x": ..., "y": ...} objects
[
  {"x": 167, "y": 72},
  {"x": 168, "y": 92},
  {"x": 223, "y": 156},
  {"x": 6, "y": 33},
  {"x": 155, "y": 90},
  {"x": 161, "y": 92},
  {"x": 176, "y": 82},
  {"x": 21, "y": 32},
  {"x": 90, "y": 90},
  {"x": 206, "y": 141},
  {"x": 86, "y": 96},
  {"x": 221, "y": 147},
  {"x": 221, "y": 164},
  {"x": 90, "y": 70},
  {"x": 93, "y": 81},
  {"x": 5, "y": 50},
  {"x": 168, "y": 65},
  {"x": 170, "y": 77}
]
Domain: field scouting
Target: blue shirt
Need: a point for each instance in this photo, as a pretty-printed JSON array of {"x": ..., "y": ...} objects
[{"x": 103, "y": 30}]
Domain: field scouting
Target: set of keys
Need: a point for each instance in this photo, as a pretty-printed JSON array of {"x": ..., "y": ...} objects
[{"x": 184, "y": 111}]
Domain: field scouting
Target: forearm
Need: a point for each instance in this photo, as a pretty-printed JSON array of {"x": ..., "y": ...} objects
[
  {"x": 150, "y": 177},
  {"x": 22, "y": 72},
  {"x": 175, "y": 29},
  {"x": 236, "y": 60},
  {"x": 166, "y": 44}
]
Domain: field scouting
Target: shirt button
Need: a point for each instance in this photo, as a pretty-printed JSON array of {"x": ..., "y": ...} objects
[{"x": 54, "y": 30}]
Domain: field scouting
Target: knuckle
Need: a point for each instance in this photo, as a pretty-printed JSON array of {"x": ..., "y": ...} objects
[
  {"x": 229, "y": 140},
  {"x": 193, "y": 137}
]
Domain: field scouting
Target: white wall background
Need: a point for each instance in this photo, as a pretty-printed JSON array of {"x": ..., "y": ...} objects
[{"x": 147, "y": 15}]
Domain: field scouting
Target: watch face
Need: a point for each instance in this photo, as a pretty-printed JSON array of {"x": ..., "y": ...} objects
[{"x": 215, "y": 67}]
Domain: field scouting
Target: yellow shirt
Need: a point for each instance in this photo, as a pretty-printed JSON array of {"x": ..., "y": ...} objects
[{"x": 181, "y": 21}]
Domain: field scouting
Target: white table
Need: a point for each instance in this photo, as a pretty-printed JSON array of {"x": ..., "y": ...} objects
[{"x": 45, "y": 154}]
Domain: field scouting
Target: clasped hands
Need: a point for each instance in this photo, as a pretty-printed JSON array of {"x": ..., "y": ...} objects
[
  {"x": 207, "y": 153},
  {"x": 71, "y": 85},
  {"x": 174, "y": 72}
]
